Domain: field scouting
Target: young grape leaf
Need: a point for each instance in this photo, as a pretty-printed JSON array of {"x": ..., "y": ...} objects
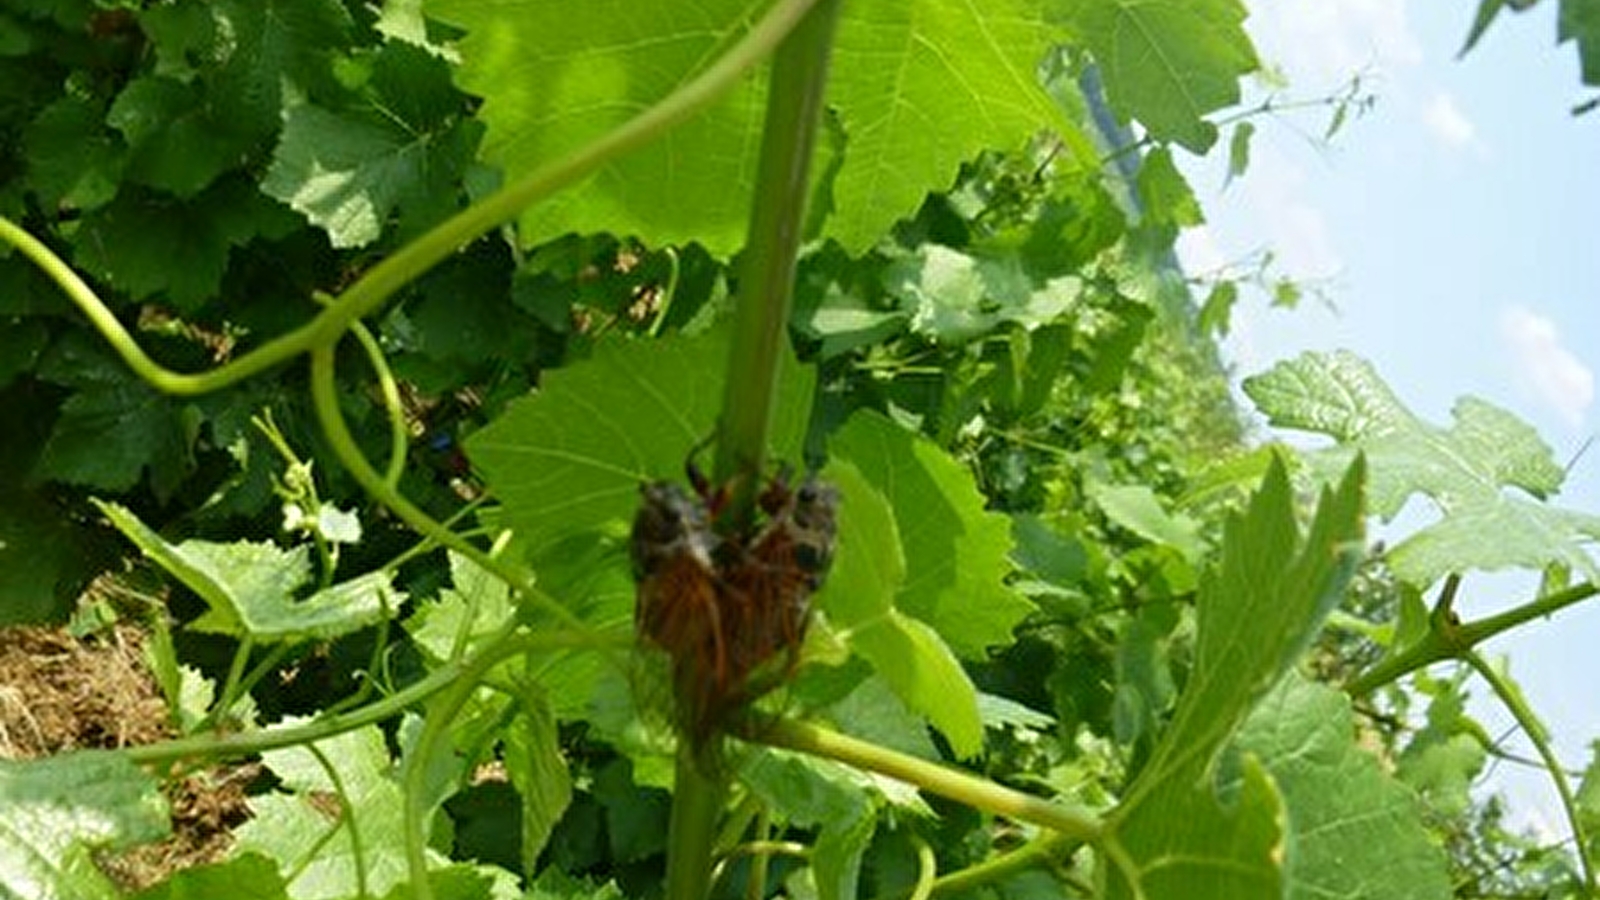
[
  {"x": 1464, "y": 469},
  {"x": 248, "y": 876},
  {"x": 571, "y": 457},
  {"x": 1168, "y": 63},
  {"x": 1172, "y": 835},
  {"x": 1353, "y": 830},
  {"x": 859, "y": 598},
  {"x": 956, "y": 552},
  {"x": 954, "y": 297},
  {"x": 320, "y": 847},
  {"x": 54, "y": 811},
  {"x": 250, "y": 587}
]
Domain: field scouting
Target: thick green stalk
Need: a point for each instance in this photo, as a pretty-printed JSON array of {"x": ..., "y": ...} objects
[
  {"x": 766, "y": 285},
  {"x": 1448, "y": 639},
  {"x": 766, "y": 268}
]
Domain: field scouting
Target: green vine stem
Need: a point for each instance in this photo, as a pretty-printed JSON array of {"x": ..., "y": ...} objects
[
  {"x": 347, "y": 817},
  {"x": 1447, "y": 638},
  {"x": 760, "y": 331},
  {"x": 1513, "y": 700},
  {"x": 507, "y": 644},
  {"x": 395, "y": 272},
  {"x": 1041, "y": 852},
  {"x": 1073, "y": 824}
]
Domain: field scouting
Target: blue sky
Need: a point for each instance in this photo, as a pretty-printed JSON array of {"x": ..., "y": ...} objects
[{"x": 1453, "y": 229}]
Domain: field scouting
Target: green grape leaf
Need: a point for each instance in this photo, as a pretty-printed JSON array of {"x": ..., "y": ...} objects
[
  {"x": 918, "y": 89},
  {"x": 553, "y": 81},
  {"x": 1353, "y": 830},
  {"x": 1579, "y": 22},
  {"x": 539, "y": 773},
  {"x": 54, "y": 811},
  {"x": 73, "y": 161},
  {"x": 922, "y": 87},
  {"x": 175, "y": 139},
  {"x": 956, "y": 552},
  {"x": 1138, "y": 509},
  {"x": 349, "y": 175},
  {"x": 247, "y": 52},
  {"x": 1168, "y": 63},
  {"x": 859, "y": 598},
  {"x": 953, "y": 297},
  {"x": 1445, "y": 757},
  {"x": 464, "y": 618},
  {"x": 1464, "y": 469},
  {"x": 1257, "y": 611},
  {"x": 250, "y": 587},
  {"x": 318, "y": 845},
  {"x": 110, "y": 434},
  {"x": 1165, "y": 197},
  {"x": 813, "y": 793},
  {"x": 1239, "y": 148},
  {"x": 572, "y": 457},
  {"x": 144, "y": 243},
  {"x": 249, "y": 876}
]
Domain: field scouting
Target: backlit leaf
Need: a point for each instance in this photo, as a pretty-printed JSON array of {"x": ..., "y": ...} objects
[
  {"x": 1168, "y": 63},
  {"x": 1465, "y": 469},
  {"x": 571, "y": 457},
  {"x": 1173, "y": 834}
]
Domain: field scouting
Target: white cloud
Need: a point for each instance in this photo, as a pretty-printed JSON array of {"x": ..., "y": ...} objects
[
  {"x": 1276, "y": 194},
  {"x": 1546, "y": 366},
  {"x": 1323, "y": 42},
  {"x": 1448, "y": 123}
]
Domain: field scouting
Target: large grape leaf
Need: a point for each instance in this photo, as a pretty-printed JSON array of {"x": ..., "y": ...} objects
[
  {"x": 1257, "y": 610},
  {"x": 923, "y": 86},
  {"x": 571, "y": 457},
  {"x": 402, "y": 148},
  {"x": 1465, "y": 469},
  {"x": 54, "y": 811},
  {"x": 250, "y": 588},
  {"x": 918, "y": 86},
  {"x": 1351, "y": 830},
  {"x": 318, "y": 847},
  {"x": 859, "y": 598},
  {"x": 956, "y": 552},
  {"x": 1168, "y": 63}
]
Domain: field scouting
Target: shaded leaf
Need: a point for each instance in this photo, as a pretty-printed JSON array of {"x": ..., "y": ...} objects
[
  {"x": 54, "y": 811},
  {"x": 250, "y": 587},
  {"x": 816, "y": 793},
  {"x": 1464, "y": 469}
]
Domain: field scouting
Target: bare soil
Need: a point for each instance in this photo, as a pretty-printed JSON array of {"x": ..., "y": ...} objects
[{"x": 59, "y": 693}]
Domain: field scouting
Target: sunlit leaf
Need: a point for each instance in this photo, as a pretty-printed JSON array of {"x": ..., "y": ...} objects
[
  {"x": 54, "y": 811},
  {"x": 1465, "y": 469}
]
